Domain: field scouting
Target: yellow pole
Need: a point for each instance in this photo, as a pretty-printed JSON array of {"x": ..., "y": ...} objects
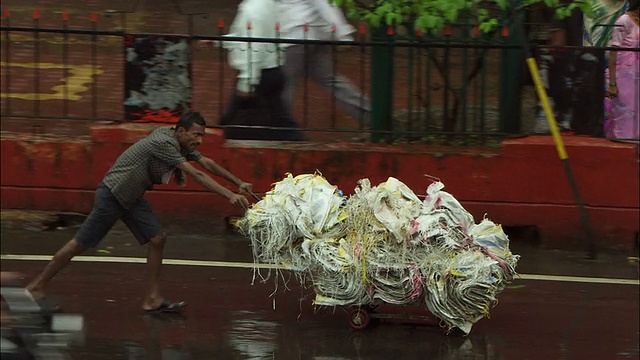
[
  {"x": 553, "y": 125},
  {"x": 562, "y": 152},
  {"x": 551, "y": 120}
]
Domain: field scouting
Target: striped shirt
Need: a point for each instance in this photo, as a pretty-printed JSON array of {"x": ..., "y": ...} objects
[{"x": 149, "y": 161}]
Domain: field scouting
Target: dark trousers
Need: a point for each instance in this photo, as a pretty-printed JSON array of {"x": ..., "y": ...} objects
[
  {"x": 265, "y": 112},
  {"x": 576, "y": 79}
]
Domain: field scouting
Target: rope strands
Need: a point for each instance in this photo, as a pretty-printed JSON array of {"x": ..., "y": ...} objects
[{"x": 383, "y": 244}]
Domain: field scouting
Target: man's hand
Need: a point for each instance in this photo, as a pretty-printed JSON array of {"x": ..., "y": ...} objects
[
  {"x": 245, "y": 188},
  {"x": 239, "y": 201}
]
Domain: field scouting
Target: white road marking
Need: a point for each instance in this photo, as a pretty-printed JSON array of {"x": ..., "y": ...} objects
[
  {"x": 136, "y": 260},
  {"x": 579, "y": 279},
  {"x": 245, "y": 265}
]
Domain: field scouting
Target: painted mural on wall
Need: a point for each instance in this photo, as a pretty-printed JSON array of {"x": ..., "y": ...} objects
[{"x": 157, "y": 77}]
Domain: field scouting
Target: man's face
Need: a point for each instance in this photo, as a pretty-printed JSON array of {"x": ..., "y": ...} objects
[{"x": 192, "y": 138}]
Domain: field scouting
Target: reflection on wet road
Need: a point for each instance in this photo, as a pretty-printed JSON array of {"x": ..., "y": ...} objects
[
  {"x": 229, "y": 318},
  {"x": 251, "y": 336}
]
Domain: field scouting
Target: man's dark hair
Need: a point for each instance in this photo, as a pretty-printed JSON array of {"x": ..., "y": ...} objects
[
  {"x": 188, "y": 119},
  {"x": 633, "y": 5}
]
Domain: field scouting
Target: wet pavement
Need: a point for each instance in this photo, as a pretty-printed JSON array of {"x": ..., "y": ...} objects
[{"x": 228, "y": 317}]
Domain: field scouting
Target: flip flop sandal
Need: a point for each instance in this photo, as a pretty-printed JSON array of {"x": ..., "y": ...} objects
[{"x": 167, "y": 306}]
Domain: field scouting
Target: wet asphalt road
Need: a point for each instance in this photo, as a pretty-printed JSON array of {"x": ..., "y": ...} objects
[{"x": 229, "y": 318}]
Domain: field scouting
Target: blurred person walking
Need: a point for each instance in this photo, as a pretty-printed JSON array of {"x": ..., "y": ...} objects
[
  {"x": 570, "y": 77},
  {"x": 318, "y": 20},
  {"x": 155, "y": 159},
  {"x": 257, "y": 98},
  {"x": 623, "y": 76}
]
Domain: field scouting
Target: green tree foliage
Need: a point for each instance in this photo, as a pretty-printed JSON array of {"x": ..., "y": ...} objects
[{"x": 434, "y": 15}]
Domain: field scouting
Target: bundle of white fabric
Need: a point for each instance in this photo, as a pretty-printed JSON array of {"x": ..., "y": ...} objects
[{"x": 383, "y": 244}]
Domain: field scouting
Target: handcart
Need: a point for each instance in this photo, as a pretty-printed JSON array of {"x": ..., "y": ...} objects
[
  {"x": 366, "y": 316},
  {"x": 385, "y": 244}
]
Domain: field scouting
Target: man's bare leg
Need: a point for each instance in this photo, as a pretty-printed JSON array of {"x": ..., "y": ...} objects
[
  {"x": 57, "y": 263},
  {"x": 155, "y": 249}
]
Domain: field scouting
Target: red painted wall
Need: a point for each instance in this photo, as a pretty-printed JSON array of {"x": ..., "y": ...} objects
[{"x": 523, "y": 183}]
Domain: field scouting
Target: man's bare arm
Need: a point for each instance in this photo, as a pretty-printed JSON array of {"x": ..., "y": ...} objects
[
  {"x": 205, "y": 180},
  {"x": 215, "y": 169}
]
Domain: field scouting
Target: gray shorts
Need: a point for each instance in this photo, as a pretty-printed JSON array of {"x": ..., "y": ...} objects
[{"x": 107, "y": 210}]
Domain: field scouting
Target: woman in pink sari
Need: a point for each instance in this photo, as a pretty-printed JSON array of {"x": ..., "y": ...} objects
[{"x": 621, "y": 105}]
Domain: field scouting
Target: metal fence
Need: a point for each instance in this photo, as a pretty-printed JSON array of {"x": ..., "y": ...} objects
[{"x": 456, "y": 87}]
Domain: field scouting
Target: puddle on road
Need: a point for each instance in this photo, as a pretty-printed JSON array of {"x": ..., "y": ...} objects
[
  {"x": 251, "y": 337},
  {"x": 248, "y": 335}
]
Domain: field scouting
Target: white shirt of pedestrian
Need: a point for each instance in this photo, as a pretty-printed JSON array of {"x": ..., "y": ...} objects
[
  {"x": 257, "y": 19},
  {"x": 313, "y": 20}
]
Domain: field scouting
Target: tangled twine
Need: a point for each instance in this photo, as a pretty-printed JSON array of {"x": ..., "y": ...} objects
[{"x": 383, "y": 244}]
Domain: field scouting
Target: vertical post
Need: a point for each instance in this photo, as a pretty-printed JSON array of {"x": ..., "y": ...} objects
[
  {"x": 65, "y": 62},
  {"x": 280, "y": 62},
  {"x": 381, "y": 82},
  {"x": 445, "y": 104},
  {"x": 190, "y": 59},
  {"x": 363, "y": 77},
  {"x": 249, "y": 53},
  {"x": 7, "y": 59},
  {"x": 305, "y": 97},
  {"x": 94, "y": 57},
  {"x": 428, "y": 90},
  {"x": 36, "y": 62},
  {"x": 220, "y": 70},
  {"x": 510, "y": 79},
  {"x": 476, "y": 53},
  {"x": 483, "y": 94},
  {"x": 419, "y": 80},
  {"x": 465, "y": 75},
  {"x": 334, "y": 69},
  {"x": 410, "y": 94}
]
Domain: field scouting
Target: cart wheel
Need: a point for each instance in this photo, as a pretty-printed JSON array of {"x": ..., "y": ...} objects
[{"x": 359, "y": 318}]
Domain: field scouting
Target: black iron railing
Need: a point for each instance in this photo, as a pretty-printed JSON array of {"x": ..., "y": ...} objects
[{"x": 454, "y": 83}]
